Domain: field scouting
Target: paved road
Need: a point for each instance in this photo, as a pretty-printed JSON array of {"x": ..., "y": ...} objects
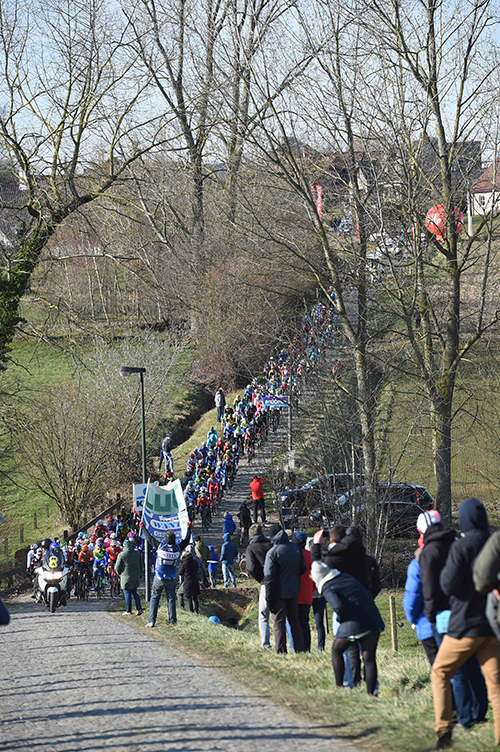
[{"x": 81, "y": 680}]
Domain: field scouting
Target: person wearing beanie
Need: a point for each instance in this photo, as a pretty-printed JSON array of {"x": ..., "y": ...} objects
[
  {"x": 413, "y": 599},
  {"x": 468, "y": 635},
  {"x": 258, "y": 546},
  {"x": 424, "y": 521}
]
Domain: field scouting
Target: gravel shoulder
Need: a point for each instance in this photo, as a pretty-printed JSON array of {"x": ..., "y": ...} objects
[{"x": 81, "y": 679}]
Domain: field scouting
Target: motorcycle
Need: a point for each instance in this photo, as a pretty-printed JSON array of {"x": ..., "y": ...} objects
[{"x": 52, "y": 584}]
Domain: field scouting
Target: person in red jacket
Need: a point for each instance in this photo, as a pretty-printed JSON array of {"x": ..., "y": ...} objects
[
  {"x": 256, "y": 487},
  {"x": 307, "y": 587}
]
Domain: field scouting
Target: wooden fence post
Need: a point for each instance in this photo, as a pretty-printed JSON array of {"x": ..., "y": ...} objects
[
  {"x": 35, "y": 526},
  {"x": 6, "y": 547},
  {"x": 47, "y": 513},
  {"x": 394, "y": 634},
  {"x": 21, "y": 532}
]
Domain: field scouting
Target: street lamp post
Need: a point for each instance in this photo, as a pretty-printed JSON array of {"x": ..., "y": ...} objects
[{"x": 125, "y": 371}]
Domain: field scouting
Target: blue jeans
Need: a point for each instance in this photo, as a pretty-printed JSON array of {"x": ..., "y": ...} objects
[
  {"x": 158, "y": 586},
  {"x": 469, "y": 689},
  {"x": 228, "y": 571},
  {"x": 129, "y": 594}
]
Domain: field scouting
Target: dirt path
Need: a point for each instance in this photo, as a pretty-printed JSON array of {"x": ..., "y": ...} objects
[{"x": 81, "y": 680}]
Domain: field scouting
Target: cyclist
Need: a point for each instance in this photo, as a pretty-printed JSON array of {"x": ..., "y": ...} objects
[
  {"x": 100, "y": 563},
  {"x": 213, "y": 490},
  {"x": 100, "y": 530}
]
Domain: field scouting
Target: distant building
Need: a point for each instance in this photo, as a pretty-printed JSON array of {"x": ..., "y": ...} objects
[{"x": 485, "y": 192}]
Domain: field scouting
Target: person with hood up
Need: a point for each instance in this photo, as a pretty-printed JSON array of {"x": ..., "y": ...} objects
[
  {"x": 213, "y": 561},
  {"x": 358, "y": 616},
  {"x": 128, "y": 566},
  {"x": 258, "y": 546},
  {"x": 228, "y": 553},
  {"x": 229, "y": 524},
  {"x": 283, "y": 566},
  {"x": 469, "y": 633},
  {"x": 467, "y": 685},
  {"x": 413, "y": 600}
]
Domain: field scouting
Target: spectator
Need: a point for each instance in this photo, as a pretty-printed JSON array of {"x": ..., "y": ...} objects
[
  {"x": 258, "y": 546},
  {"x": 229, "y": 524},
  {"x": 245, "y": 519},
  {"x": 283, "y": 566},
  {"x": 413, "y": 604},
  {"x": 347, "y": 553},
  {"x": 128, "y": 566},
  {"x": 167, "y": 555},
  {"x": 202, "y": 552},
  {"x": 228, "y": 553},
  {"x": 220, "y": 403},
  {"x": 469, "y": 633},
  {"x": 358, "y": 616},
  {"x": 166, "y": 454},
  {"x": 486, "y": 574},
  {"x": 467, "y": 685},
  {"x": 212, "y": 566},
  {"x": 256, "y": 487},
  {"x": 305, "y": 596},
  {"x": 188, "y": 571}
]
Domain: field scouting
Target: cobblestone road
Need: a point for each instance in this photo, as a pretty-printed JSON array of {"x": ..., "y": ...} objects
[{"x": 81, "y": 680}]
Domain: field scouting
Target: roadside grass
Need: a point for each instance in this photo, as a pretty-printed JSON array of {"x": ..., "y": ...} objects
[
  {"x": 199, "y": 434},
  {"x": 401, "y": 717},
  {"x": 35, "y": 365}
]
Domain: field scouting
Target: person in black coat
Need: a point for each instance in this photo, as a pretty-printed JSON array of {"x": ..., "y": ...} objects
[
  {"x": 467, "y": 685},
  {"x": 255, "y": 556},
  {"x": 468, "y": 633},
  {"x": 347, "y": 553},
  {"x": 188, "y": 572},
  {"x": 358, "y": 616}
]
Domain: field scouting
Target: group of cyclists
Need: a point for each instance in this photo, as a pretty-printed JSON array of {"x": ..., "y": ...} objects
[
  {"x": 90, "y": 559},
  {"x": 210, "y": 470}
]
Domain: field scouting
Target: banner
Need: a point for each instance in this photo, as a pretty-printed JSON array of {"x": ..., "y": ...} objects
[
  {"x": 271, "y": 401},
  {"x": 139, "y": 493},
  {"x": 165, "y": 510}
]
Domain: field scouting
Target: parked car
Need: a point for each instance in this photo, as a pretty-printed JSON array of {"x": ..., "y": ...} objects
[
  {"x": 399, "y": 507},
  {"x": 319, "y": 492}
]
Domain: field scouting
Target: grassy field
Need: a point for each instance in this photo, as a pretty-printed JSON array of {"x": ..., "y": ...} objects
[
  {"x": 34, "y": 366},
  {"x": 401, "y": 717}
]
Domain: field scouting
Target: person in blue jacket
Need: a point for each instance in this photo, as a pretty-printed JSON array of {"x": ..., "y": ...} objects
[
  {"x": 413, "y": 604},
  {"x": 167, "y": 556},
  {"x": 228, "y": 553},
  {"x": 212, "y": 566},
  {"x": 229, "y": 524}
]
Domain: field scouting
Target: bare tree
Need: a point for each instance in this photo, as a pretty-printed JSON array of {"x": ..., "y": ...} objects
[{"x": 73, "y": 121}]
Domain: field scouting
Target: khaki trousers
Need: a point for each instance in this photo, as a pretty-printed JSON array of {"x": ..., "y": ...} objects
[{"x": 451, "y": 656}]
